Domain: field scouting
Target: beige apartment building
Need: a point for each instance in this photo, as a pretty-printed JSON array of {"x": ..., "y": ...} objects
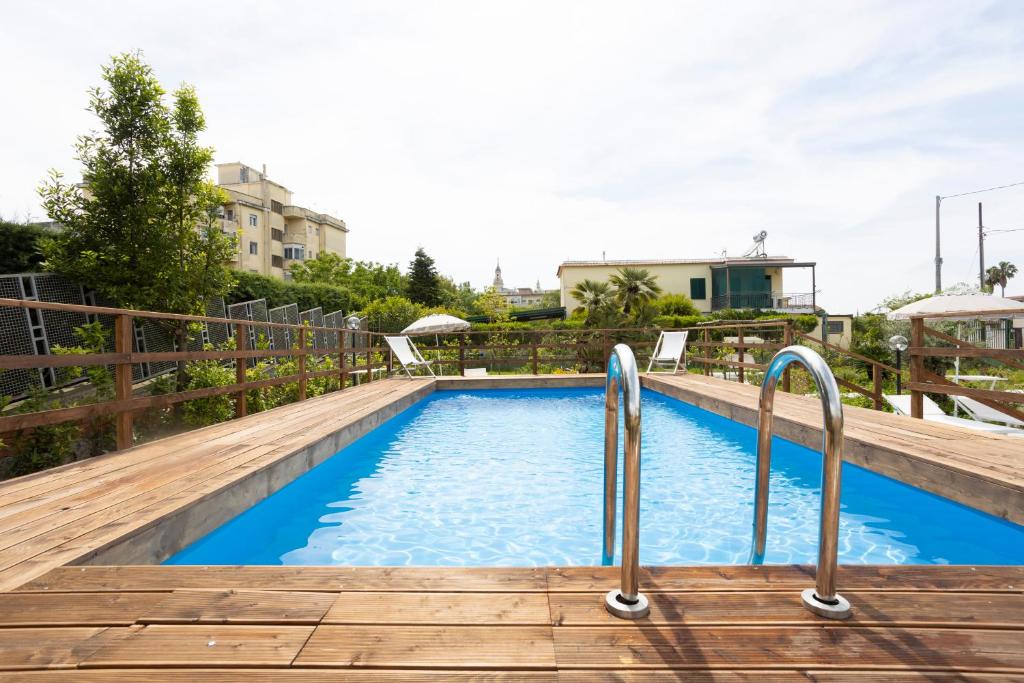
[{"x": 272, "y": 232}]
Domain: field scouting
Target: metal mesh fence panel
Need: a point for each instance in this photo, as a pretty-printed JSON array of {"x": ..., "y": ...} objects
[
  {"x": 253, "y": 311},
  {"x": 283, "y": 338},
  {"x": 16, "y": 339},
  {"x": 315, "y": 317}
]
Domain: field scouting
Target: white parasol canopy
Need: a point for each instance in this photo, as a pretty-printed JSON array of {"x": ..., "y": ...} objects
[
  {"x": 439, "y": 323},
  {"x": 971, "y": 306}
]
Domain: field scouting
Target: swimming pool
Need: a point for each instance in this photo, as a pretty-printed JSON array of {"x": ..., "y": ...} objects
[{"x": 502, "y": 477}]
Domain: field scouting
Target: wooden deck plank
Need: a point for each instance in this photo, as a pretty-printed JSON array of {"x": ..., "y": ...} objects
[
  {"x": 663, "y": 647},
  {"x": 794, "y": 577},
  {"x": 333, "y": 579},
  {"x": 285, "y": 675},
  {"x": 444, "y": 647},
  {"x": 237, "y": 607},
  {"x": 407, "y": 609},
  {"x": 75, "y": 609},
  {"x": 977, "y": 610},
  {"x": 202, "y": 645},
  {"x": 780, "y": 676},
  {"x": 52, "y": 648}
]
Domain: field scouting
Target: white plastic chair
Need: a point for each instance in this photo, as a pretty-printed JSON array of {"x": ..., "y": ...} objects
[
  {"x": 983, "y": 413},
  {"x": 408, "y": 355},
  {"x": 670, "y": 350},
  {"x": 933, "y": 413}
]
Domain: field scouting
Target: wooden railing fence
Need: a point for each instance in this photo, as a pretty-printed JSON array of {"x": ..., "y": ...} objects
[{"x": 924, "y": 381}]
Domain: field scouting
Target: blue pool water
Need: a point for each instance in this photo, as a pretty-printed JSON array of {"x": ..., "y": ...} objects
[{"x": 514, "y": 478}]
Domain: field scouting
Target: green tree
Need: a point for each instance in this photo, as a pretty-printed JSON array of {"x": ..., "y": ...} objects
[
  {"x": 634, "y": 287},
  {"x": 19, "y": 247},
  {"x": 492, "y": 304},
  {"x": 365, "y": 279},
  {"x": 142, "y": 231},
  {"x": 424, "y": 285},
  {"x": 392, "y": 314},
  {"x": 592, "y": 295},
  {"x": 1000, "y": 275}
]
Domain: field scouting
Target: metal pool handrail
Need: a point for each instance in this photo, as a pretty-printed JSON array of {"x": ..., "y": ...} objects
[
  {"x": 626, "y": 602},
  {"x": 822, "y": 599}
]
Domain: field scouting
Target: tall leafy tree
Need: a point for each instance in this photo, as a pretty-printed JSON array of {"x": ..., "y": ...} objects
[
  {"x": 366, "y": 279},
  {"x": 592, "y": 295},
  {"x": 141, "y": 229},
  {"x": 634, "y": 287},
  {"x": 424, "y": 286},
  {"x": 1000, "y": 275}
]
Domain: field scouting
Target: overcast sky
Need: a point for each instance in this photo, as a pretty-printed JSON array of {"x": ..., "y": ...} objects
[{"x": 540, "y": 132}]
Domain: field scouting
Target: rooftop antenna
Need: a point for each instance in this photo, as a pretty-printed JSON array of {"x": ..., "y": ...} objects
[
  {"x": 603, "y": 257},
  {"x": 757, "y": 251}
]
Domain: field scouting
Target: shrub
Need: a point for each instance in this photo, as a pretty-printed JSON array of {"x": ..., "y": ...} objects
[
  {"x": 676, "y": 304},
  {"x": 392, "y": 314},
  {"x": 306, "y": 295},
  {"x": 212, "y": 409}
]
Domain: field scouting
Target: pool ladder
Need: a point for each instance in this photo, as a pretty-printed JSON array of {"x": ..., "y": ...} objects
[{"x": 627, "y": 602}]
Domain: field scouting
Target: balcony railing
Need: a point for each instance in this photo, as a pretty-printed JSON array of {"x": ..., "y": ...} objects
[{"x": 777, "y": 301}]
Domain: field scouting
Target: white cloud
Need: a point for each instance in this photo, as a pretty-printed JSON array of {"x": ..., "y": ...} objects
[{"x": 536, "y": 132}]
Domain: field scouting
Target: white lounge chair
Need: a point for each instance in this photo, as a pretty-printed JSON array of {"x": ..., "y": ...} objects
[
  {"x": 408, "y": 355},
  {"x": 670, "y": 350},
  {"x": 933, "y": 413},
  {"x": 983, "y": 413}
]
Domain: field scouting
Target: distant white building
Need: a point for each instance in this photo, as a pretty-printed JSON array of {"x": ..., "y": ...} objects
[{"x": 518, "y": 296}]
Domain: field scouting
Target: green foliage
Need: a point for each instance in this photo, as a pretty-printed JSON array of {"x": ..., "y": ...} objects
[
  {"x": 392, "y": 314},
  {"x": 461, "y": 298},
  {"x": 676, "y": 304},
  {"x": 424, "y": 284},
  {"x": 306, "y": 295},
  {"x": 634, "y": 287},
  {"x": 143, "y": 232},
  {"x": 19, "y": 247},
  {"x": 366, "y": 280},
  {"x": 999, "y": 275},
  {"x": 493, "y": 305},
  {"x": 212, "y": 409}
]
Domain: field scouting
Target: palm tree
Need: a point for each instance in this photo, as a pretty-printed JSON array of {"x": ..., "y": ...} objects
[
  {"x": 1000, "y": 275},
  {"x": 634, "y": 287},
  {"x": 592, "y": 295}
]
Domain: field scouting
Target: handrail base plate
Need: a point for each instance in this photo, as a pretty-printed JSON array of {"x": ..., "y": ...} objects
[
  {"x": 840, "y": 610},
  {"x": 624, "y": 610}
]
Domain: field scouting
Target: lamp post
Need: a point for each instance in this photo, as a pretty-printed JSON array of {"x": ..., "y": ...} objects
[
  {"x": 353, "y": 323},
  {"x": 898, "y": 343}
]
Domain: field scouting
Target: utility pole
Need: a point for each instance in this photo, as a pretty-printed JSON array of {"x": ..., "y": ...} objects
[
  {"x": 938, "y": 248},
  {"x": 981, "y": 251}
]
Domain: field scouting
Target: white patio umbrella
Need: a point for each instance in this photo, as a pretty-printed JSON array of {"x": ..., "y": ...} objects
[
  {"x": 436, "y": 324},
  {"x": 970, "y": 306}
]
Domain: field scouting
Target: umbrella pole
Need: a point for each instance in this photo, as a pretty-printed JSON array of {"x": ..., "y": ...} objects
[{"x": 437, "y": 343}]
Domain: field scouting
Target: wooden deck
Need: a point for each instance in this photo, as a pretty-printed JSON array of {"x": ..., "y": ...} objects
[
  {"x": 420, "y": 624},
  {"x": 979, "y": 469},
  {"x": 140, "y": 505},
  {"x": 61, "y": 618}
]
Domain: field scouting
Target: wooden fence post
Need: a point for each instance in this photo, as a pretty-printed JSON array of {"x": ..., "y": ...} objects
[
  {"x": 302, "y": 363},
  {"x": 533, "y": 351},
  {"x": 706, "y": 355},
  {"x": 462, "y": 354},
  {"x": 916, "y": 367},
  {"x": 787, "y": 340},
  {"x": 123, "y": 379},
  {"x": 341, "y": 359},
  {"x": 876, "y": 389},
  {"x": 369, "y": 358},
  {"x": 241, "y": 344},
  {"x": 742, "y": 353}
]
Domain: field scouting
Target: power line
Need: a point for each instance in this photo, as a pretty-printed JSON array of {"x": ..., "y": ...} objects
[
  {"x": 987, "y": 189},
  {"x": 987, "y": 230}
]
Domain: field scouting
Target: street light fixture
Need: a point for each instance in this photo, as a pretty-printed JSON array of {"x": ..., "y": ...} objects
[
  {"x": 353, "y": 323},
  {"x": 898, "y": 343}
]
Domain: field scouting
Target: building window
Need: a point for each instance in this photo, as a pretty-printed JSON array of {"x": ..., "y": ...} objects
[
  {"x": 276, "y": 235},
  {"x": 277, "y": 261},
  {"x": 254, "y": 247},
  {"x": 836, "y": 327},
  {"x": 253, "y": 219},
  {"x": 295, "y": 252},
  {"x": 698, "y": 288},
  {"x": 229, "y": 214}
]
